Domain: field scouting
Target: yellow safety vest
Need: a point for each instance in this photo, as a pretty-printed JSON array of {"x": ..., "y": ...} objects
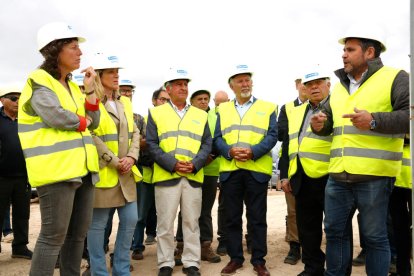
[
  {"x": 212, "y": 169},
  {"x": 365, "y": 152},
  {"x": 403, "y": 180},
  {"x": 313, "y": 149},
  {"x": 108, "y": 133},
  {"x": 54, "y": 155},
  {"x": 147, "y": 171},
  {"x": 179, "y": 137},
  {"x": 246, "y": 132}
]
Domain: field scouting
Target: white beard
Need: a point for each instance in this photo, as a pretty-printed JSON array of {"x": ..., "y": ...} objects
[{"x": 245, "y": 94}]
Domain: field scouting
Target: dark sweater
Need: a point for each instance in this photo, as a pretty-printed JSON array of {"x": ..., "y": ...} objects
[{"x": 12, "y": 161}]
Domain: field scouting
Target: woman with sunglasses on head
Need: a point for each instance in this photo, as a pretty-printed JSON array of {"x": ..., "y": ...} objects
[
  {"x": 117, "y": 141},
  {"x": 61, "y": 158}
]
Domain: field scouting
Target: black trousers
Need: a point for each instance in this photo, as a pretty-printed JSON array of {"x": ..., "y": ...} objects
[
  {"x": 309, "y": 218},
  {"x": 239, "y": 187},
  {"x": 17, "y": 191},
  {"x": 401, "y": 210}
]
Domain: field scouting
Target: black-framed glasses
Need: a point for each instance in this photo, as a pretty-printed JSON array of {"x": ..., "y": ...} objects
[{"x": 12, "y": 98}]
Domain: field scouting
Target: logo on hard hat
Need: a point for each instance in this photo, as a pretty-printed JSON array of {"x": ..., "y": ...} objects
[
  {"x": 69, "y": 27},
  {"x": 242, "y": 66},
  {"x": 113, "y": 59},
  {"x": 181, "y": 71},
  {"x": 311, "y": 75}
]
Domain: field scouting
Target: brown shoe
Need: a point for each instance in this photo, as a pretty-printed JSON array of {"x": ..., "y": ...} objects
[
  {"x": 137, "y": 255},
  {"x": 230, "y": 268},
  {"x": 261, "y": 270},
  {"x": 207, "y": 253}
]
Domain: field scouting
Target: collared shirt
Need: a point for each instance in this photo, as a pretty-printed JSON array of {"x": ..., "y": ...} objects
[
  {"x": 300, "y": 102},
  {"x": 354, "y": 85},
  {"x": 242, "y": 108},
  {"x": 181, "y": 112},
  {"x": 310, "y": 110}
]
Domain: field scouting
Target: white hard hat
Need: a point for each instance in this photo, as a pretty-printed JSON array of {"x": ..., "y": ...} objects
[
  {"x": 102, "y": 61},
  {"x": 314, "y": 74},
  {"x": 239, "y": 69},
  {"x": 54, "y": 31},
  {"x": 10, "y": 88},
  {"x": 126, "y": 82},
  {"x": 366, "y": 31},
  {"x": 176, "y": 74},
  {"x": 78, "y": 79}
]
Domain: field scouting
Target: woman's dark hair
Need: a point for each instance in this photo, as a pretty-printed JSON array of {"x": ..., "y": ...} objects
[
  {"x": 51, "y": 54},
  {"x": 157, "y": 92}
]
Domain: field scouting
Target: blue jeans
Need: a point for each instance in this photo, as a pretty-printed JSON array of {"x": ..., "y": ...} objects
[
  {"x": 371, "y": 199},
  {"x": 108, "y": 228},
  {"x": 96, "y": 234},
  {"x": 146, "y": 199}
]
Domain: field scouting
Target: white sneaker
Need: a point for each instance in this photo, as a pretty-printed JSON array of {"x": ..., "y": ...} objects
[{"x": 8, "y": 238}]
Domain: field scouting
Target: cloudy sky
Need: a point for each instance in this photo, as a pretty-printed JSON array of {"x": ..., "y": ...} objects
[{"x": 278, "y": 39}]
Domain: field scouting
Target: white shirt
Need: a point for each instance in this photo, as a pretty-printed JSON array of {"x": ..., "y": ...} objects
[
  {"x": 354, "y": 85},
  {"x": 181, "y": 112}
]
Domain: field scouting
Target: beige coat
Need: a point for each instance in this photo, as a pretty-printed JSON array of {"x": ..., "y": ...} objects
[{"x": 125, "y": 190}]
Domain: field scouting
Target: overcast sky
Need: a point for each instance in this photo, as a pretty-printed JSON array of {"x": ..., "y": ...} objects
[{"x": 278, "y": 39}]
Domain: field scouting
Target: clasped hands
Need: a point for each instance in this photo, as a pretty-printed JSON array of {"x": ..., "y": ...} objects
[
  {"x": 241, "y": 154},
  {"x": 184, "y": 167},
  {"x": 125, "y": 164}
]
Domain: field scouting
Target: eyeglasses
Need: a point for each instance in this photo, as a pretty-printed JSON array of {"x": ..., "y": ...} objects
[
  {"x": 127, "y": 91},
  {"x": 162, "y": 99},
  {"x": 12, "y": 98}
]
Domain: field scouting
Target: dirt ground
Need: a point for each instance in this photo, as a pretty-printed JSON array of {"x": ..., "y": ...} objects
[{"x": 276, "y": 245}]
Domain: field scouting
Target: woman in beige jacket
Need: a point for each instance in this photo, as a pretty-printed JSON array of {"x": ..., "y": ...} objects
[{"x": 117, "y": 142}]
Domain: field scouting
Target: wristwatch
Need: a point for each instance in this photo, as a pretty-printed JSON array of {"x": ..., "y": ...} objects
[{"x": 373, "y": 124}]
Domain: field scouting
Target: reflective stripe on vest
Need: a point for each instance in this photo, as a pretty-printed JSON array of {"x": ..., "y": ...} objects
[
  {"x": 53, "y": 155},
  {"x": 313, "y": 149},
  {"x": 179, "y": 137},
  {"x": 107, "y": 131},
  {"x": 246, "y": 133},
  {"x": 403, "y": 180},
  {"x": 358, "y": 151}
]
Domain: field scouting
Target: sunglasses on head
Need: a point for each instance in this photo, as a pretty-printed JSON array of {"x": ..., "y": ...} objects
[{"x": 12, "y": 98}]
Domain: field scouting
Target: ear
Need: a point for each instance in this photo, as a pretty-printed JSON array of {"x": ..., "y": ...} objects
[{"x": 370, "y": 53}]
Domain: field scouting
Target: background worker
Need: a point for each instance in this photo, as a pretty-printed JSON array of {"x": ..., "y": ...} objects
[
  {"x": 54, "y": 123},
  {"x": 401, "y": 213},
  {"x": 14, "y": 186},
  {"x": 308, "y": 171},
  {"x": 246, "y": 132},
  {"x": 368, "y": 115},
  {"x": 179, "y": 140},
  {"x": 292, "y": 236},
  {"x": 117, "y": 143},
  {"x": 146, "y": 205},
  {"x": 200, "y": 98}
]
